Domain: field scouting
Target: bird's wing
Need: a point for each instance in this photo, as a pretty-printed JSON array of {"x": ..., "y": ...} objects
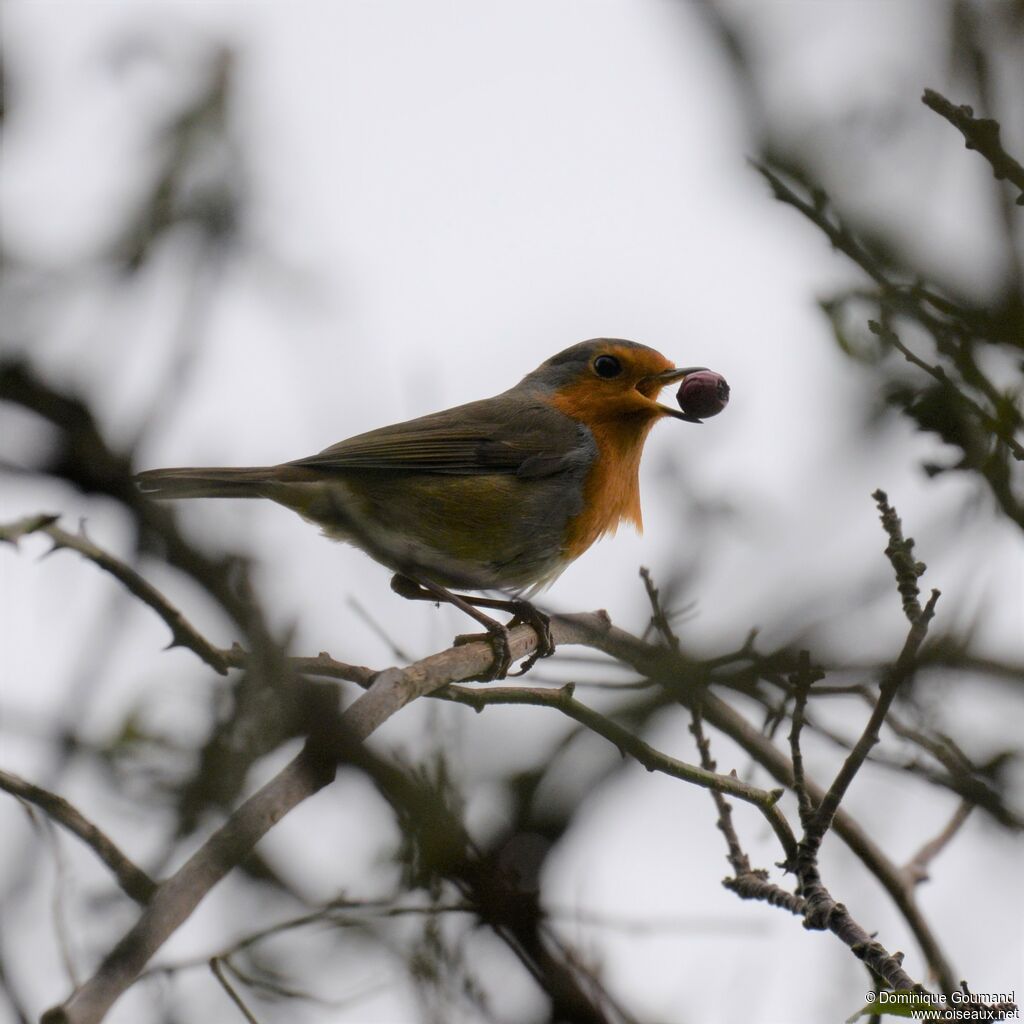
[{"x": 497, "y": 435}]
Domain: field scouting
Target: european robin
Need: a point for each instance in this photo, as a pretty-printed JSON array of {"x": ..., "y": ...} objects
[{"x": 500, "y": 494}]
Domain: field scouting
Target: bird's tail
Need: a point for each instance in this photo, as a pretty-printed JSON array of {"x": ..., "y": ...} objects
[{"x": 206, "y": 482}]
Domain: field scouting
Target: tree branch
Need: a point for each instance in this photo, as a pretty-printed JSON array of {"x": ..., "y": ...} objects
[
  {"x": 981, "y": 134},
  {"x": 653, "y": 760},
  {"x": 183, "y": 633},
  {"x": 915, "y": 870},
  {"x": 393, "y": 689},
  {"x": 132, "y": 879},
  {"x": 177, "y": 897},
  {"x": 904, "y": 668}
]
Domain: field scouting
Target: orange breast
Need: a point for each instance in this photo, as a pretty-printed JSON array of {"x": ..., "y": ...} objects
[{"x": 611, "y": 492}]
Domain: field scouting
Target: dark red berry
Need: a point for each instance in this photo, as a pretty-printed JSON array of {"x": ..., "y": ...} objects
[{"x": 703, "y": 393}]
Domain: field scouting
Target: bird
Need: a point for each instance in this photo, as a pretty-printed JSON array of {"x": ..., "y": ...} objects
[{"x": 500, "y": 494}]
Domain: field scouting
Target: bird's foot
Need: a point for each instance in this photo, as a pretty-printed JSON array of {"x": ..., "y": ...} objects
[
  {"x": 498, "y": 636},
  {"x": 525, "y": 613}
]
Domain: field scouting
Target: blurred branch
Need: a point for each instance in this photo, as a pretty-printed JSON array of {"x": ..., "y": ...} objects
[
  {"x": 132, "y": 879},
  {"x": 915, "y": 870},
  {"x": 339, "y": 913},
  {"x": 85, "y": 460},
  {"x": 911, "y": 298},
  {"x": 981, "y": 134},
  {"x": 178, "y": 896},
  {"x": 937, "y": 373},
  {"x": 183, "y": 633},
  {"x": 218, "y": 972},
  {"x": 987, "y": 430}
]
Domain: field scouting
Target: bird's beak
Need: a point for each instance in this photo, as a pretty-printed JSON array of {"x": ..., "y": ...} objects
[{"x": 661, "y": 380}]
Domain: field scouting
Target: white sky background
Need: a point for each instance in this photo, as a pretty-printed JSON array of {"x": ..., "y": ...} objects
[{"x": 442, "y": 196}]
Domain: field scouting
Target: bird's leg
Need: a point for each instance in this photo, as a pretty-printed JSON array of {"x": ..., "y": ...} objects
[
  {"x": 423, "y": 590},
  {"x": 525, "y": 612},
  {"x": 521, "y": 611}
]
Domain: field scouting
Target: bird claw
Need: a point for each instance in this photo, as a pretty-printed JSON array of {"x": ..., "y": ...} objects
[
  {"x": 498, "y": 637},
  {"x": 523, "y": 613},
  {"x": 528, "y": 615}
]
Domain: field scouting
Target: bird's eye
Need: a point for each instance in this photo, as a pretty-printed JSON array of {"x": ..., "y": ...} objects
[{"x": 607, "y": 367}]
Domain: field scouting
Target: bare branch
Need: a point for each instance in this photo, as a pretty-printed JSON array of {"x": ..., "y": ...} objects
[
  {"x": 132, "y": 879},
  {"x": 183, "y": 633},
  {"x": 178, "y": 896},
  {"x": 322, "y": 665},
  {"x": 737, "y": 857},
  {"x": 905, "y": 667},
  {"x": 915, "y": 870},
  {"x": 651, "y": 759},
  {"x": 754, "y": 885},
  {"x": 900, "y": 553},
  {"x": 938, "y": 374},
  {"x": 658, "y": 616},
  {"x": 658, "y": 665},
  {"x": 391, "y": 690},
  {"x": 981, "y": 134},
  {"x": 802, "y": 680},
  {"x": 215, "y": 967}
]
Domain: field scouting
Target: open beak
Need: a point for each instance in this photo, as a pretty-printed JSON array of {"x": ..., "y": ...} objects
[{"x": 671, "y": 377}]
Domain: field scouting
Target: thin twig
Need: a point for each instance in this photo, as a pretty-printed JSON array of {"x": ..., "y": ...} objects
[
  {"x": 981, "y": 134},
  {"x": 178, "y": 896},
  {"x": 903, "y": 669},
  {"x": 322, "y": 665},
  {"x": 915, "y": 870},
  {"x": 801, "y": 681},
  {"x": 738, "y": 859},
  {"x": 883, "y": 331},
  {"x": 60, "y": 923},
  {"x": 215, "y": 967},
  {"x": 183, "y": 633},
  {"x": 341, "y": 913},
  {"x": 754, "y": 885},
  {"x": 658, "y": 664},
  {"x": 132, "y": 879},
  {"x": 653, "y": 760},
  {"x": 658, "y": 616},
  {"x": 378, "y": 630},
  {"x": 900, "y": 553}
]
